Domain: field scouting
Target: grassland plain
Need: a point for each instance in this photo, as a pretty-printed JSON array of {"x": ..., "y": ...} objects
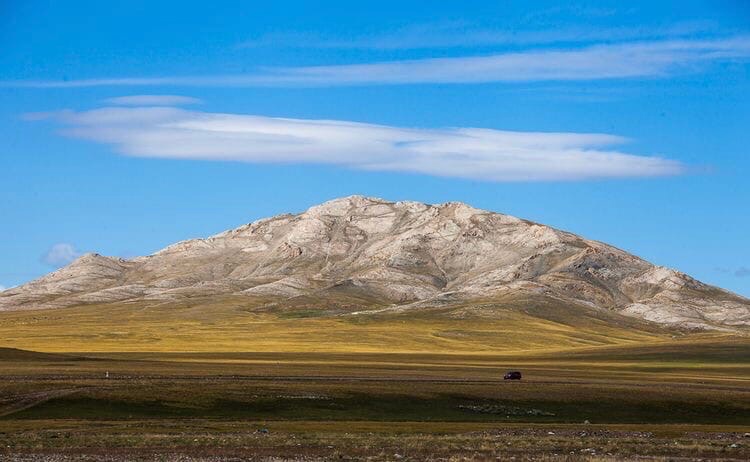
[
  {"x": 227, "y": 381},
  {"x": 234, "y": 324}
]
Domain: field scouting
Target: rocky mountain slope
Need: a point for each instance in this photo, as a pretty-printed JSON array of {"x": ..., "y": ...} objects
[{"x": 396, "y": 256}]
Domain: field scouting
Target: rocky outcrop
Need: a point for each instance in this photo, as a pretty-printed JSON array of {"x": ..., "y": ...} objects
[{"x": 405, "y": 254}]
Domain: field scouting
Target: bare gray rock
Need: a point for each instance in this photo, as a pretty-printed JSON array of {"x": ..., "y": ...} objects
[{"x": 404, "y": 255}]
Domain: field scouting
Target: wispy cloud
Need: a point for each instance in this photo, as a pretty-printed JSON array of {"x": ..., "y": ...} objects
[
  {"x": 460, "y": 34},
  {"x": 152, "y": 100},
  {"x": 595, "y": 62},
  {"x": 741, "y": 272},
  {"x": 473, "y": 153},
  {"x": 643, "y": 59},
  {"x": 2, "y": 288},
  {"x": 60, "y": 255}
]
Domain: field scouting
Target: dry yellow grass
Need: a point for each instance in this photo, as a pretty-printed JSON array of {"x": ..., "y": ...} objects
[{"x": 226, "y": 326}]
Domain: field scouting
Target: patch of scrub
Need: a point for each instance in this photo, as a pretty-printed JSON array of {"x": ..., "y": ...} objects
[{"x": 500, "y": 409}]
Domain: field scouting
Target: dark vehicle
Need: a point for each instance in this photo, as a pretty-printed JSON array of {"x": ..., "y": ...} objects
[{"x": 512, "y": 375}]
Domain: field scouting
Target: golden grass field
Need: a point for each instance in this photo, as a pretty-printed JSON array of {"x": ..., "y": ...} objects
[{"x": 232, "y": 325}]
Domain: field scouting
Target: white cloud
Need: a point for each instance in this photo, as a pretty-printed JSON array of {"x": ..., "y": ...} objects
[
  {"x": 152, "y": 100},
  {"x": 473, "y": 153},
  {"x": 595, "y": 62},
  {"x": 2, "y": 288},
  {"x": 60, "y": 255}
]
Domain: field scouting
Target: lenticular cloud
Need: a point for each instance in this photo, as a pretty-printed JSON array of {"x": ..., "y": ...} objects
[{"x": 471, "y": 153}]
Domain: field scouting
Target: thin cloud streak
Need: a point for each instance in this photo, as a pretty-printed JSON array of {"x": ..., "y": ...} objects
[
  {"x": 470, "y": 153},
  {"x": 596, "y": 62},
  {"x": 152, "y": 100},
  {"x": 459, "y": 34},
  {"x": 648, "y": 59}
]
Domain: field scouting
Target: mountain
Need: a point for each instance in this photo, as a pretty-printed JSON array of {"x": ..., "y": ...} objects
[{"x": 359, "y": 254}]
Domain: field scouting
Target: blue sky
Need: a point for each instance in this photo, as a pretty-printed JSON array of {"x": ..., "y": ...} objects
[{"x": 126, "y": 127}]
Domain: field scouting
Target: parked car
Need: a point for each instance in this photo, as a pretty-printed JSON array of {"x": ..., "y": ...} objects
[{"x": 512, "y": 375}]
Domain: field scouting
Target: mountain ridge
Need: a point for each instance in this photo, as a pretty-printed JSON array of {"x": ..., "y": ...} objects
[{"x": 399, "y": 256}]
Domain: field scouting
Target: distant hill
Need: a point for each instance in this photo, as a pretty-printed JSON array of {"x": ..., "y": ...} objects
[
  {"x": 14, "y": 354},
  {"x": 364, "y": 255}
]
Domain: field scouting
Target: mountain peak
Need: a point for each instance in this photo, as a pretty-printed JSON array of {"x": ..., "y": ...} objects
[
  {"x": 339, "y": 206},
  {"x": 396, "y": 255}
]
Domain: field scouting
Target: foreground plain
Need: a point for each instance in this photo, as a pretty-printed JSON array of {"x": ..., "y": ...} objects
[{"x": 686, "y": 398}]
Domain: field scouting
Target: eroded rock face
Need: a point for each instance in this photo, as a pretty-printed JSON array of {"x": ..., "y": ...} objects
[{"x": 401, "y": 253}]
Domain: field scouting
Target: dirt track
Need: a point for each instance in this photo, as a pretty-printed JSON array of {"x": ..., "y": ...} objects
[{"x": 343, "y": 379}]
